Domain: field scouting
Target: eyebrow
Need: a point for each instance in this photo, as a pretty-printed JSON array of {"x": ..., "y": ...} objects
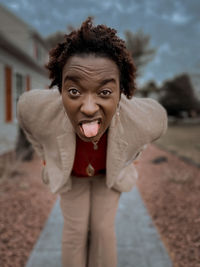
[
  {"x": 78, "y": 79},
  {"x": 72, "y": 78},
  {"x": 111, "y": 80}
]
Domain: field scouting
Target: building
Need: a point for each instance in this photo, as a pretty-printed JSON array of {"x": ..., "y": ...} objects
[{"x": 23, "y": 53}]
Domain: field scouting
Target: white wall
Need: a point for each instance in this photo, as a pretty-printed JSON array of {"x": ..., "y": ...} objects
[
  {"x": 37, "y": 80},
  {"x": 8, "y": 131},
  {"x": 21, "y": 34},
  {"x": 14, "y": 29}
]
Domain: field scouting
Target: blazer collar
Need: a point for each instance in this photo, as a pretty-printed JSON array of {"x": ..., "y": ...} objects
[
  {"x": 116, "y": 147},
  {"x": 67, "y": 145}
]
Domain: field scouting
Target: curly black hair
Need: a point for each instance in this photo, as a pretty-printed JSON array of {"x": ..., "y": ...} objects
[{"x": 100, "y": 40}]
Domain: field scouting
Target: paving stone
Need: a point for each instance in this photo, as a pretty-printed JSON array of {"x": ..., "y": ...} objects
[{"x": 139, "y": 243}]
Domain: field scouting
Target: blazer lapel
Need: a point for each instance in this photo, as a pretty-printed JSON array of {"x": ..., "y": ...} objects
[
  {"x": 67, "y": 144},
  {"x": 116, "y": 150}
]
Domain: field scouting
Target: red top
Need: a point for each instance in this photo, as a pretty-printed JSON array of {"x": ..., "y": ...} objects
[{"x": 86, "y": 154}]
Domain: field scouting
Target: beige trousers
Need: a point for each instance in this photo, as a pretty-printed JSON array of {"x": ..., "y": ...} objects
[{"x": 89, "y": 211}]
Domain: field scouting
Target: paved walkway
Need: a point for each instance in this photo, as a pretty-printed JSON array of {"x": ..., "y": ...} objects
[{"x": 139, "y": 244}]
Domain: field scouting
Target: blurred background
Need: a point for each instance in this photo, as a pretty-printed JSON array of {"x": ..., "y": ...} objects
[
  {"x": 164, "y": 40},
  {"x": 162, "y": 36}
]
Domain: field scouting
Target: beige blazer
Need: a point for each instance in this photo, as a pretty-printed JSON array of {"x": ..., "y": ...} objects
[{"x": 42, "y": 116}]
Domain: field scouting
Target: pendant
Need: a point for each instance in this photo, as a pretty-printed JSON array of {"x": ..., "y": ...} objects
[
  {"x": 90, "y": 170},
  {"x": 95, "y": 145}
]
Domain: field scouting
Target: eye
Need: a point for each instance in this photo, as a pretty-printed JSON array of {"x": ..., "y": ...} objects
[
  {"x": 105, "y": 92},
  {"x": 73, "y": 92}
]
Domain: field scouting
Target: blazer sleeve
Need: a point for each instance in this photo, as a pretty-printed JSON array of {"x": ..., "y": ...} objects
[
  {"x": 21, "y": 111},
  {"x": 163, "y": 120}
]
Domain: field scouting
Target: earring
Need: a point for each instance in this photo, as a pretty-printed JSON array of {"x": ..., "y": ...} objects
[{"x": 118, "y": 109}]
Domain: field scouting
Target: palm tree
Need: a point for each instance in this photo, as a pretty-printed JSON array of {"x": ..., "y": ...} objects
[{"x": 138, "y": 45}]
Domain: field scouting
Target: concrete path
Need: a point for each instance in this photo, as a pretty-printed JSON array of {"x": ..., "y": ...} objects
[{"x": 139, "y": 244}]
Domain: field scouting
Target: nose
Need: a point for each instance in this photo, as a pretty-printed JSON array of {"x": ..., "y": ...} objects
[{"x": 89, "y": 106}]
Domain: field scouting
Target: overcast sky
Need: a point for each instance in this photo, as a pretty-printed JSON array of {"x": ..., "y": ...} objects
[{"x": 174, "y": 26}]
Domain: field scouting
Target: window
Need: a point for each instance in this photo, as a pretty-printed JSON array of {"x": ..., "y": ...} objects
[{"x": 20, "y": 86}]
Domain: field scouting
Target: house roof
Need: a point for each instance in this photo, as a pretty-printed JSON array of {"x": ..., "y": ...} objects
[
  {"x": 15, "y": 51},
  {"x": 38, "y": 37},
  {"x": 27, "y": 26}
]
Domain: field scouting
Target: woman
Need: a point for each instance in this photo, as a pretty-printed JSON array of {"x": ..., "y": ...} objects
[{"x": 88, "y": 134}]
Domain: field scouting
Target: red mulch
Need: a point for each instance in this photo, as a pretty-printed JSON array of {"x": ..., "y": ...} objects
[
  {"x": 171, "y": 192},
  {"x": 25, "y": 204}
]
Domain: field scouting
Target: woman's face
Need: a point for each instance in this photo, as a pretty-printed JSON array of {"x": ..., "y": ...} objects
[{"x": 90, "y": 94}]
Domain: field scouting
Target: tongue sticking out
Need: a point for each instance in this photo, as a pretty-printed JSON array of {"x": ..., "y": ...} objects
[{"x": 90, "y": 129}]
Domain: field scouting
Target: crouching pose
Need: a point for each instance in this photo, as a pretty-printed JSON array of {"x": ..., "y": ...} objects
[{"x": 88, "y": 130}]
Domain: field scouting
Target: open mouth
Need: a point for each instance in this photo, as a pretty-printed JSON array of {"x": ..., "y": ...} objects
[{"x": 90, "y": 128}]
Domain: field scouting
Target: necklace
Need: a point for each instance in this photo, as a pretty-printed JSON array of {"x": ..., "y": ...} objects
[
  {"x": 90, "y": 157},
  {"x": 90, "y": 169},
  {"x": 95, "y": 145}
]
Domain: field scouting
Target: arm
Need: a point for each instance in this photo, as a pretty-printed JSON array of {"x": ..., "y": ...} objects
[{"x": 21, "y": 111}]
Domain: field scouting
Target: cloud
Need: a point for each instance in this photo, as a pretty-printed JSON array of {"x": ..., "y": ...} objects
[
  {"x": 106, "y": 5},
  {"x": 165, "y": 48},
  {"x": 174, "y": 25},
  {"x": 118, "y": 7},
  {"x": 14, "y": 6},
  {"x": 177, "y": 18}
]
